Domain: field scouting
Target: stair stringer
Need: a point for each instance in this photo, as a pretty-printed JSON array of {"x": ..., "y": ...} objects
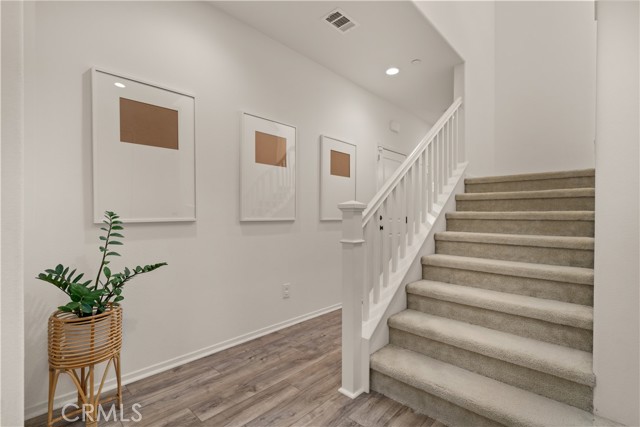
[{"x": 375, "y": 332}]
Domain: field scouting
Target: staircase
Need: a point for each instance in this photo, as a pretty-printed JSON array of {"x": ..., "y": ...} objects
[{"x": 500, "y": 329}]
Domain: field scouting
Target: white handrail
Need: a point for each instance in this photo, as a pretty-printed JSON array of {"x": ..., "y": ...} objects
[
  {"x": 380, "y": 240},
  {"x": 393, "y": 181}
]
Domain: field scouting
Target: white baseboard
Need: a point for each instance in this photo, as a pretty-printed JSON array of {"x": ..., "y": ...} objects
[
  {"x": 41, "y": 408},
  {"x": 350, "y": 394}
]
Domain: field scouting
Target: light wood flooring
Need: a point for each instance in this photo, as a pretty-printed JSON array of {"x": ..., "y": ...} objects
[{"x": 287, "y": 378}]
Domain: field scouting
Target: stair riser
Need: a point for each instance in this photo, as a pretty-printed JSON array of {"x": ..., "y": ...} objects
[
  {"x": 548, "y": 289},
  {"x": 531, "y": 227},
  {"x": 513, "y": 205},
  {"x": 426, "y": 403},
  {"x": 532, "y": 185},
  {"x": 534, "y": 254},
  {"x": 551, "y": 386},
  {"x": 569, "y": 336}
]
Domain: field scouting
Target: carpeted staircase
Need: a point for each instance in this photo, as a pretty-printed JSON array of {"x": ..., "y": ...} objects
[{"x": 500, "y": 329}]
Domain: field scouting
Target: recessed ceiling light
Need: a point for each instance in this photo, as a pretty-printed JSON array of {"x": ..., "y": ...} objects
[
  {"x": 392, "y": 71},
  {"x": 118, "y": 84}
]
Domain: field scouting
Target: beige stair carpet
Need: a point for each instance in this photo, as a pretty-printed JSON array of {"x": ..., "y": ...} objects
[{"x": 499, "y": 332}]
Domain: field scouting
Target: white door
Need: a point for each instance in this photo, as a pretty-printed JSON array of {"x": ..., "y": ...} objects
[{"x": 388, "y": 162}]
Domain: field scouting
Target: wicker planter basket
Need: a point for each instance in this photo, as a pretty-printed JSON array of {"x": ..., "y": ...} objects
[
  {"x": 76, "y": 342},
  {"x": 76, "y": 345}
]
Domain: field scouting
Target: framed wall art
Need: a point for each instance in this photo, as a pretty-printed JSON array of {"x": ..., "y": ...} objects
[
  {"x": 337, "y": 176},
  {"x": 267, "y": 170},
  {"x": 143, "y": 150}
]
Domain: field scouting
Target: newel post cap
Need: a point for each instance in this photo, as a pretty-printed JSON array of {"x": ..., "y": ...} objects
[{"x": 352, "y": 205}]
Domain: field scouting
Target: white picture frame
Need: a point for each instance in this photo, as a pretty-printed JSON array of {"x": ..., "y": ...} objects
[
  {"x": 267, "y": 170},
  {"x": 337, "y": 176},
  {"x": 143, "y": 150}
]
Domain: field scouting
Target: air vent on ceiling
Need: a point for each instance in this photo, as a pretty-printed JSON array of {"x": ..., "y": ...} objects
[{"x": 340, "y": 21}]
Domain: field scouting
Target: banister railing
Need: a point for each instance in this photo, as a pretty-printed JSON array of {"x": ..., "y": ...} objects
[
  {"x": 380, "y": 239},
  {"x": 383, "y": 193}
]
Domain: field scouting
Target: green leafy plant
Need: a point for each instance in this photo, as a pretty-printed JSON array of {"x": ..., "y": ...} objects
[{"x": 92, "y": 297}]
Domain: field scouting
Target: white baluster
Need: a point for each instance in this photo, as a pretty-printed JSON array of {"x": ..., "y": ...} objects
[
  {"x": 409, "y": 204},
  {"x": 454, "y": 143},
  {"x": 441, "y": 156},
  {"x": 436, "y": 167},
  {"x": 443, "y": 162},
  {"x": 434, "y": 162},
  {"x": 450, "y": 156},
  {"x": 377, "y": 257},
  {"x": 368, "y": 270},
  {"x": 451, "y": 151},
  {"x": 424, "y": 186},
  {"x": 450, "y": 148},
  {"x": 445, "y": 129},
  {"x": 385, "y": 243},
  {"x": 459, "y": 147},
  {"x": 416, "y": 197},
  {"x": 445, "y": 152},
  {"x": 440, "y": 162},
  {"x": 394, "y": 229},
  {"x": 403, "y": 217},
  {"x": 430, "y": 177},
  {"x": 461, "y": 135}
]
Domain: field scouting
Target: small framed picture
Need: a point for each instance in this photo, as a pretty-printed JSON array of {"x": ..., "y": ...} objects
[
  {"x": 267, "y": 170},
  {"x": 337, "y": 176}
]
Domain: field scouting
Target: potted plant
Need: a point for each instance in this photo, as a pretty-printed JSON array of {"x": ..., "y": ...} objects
[
  {"x": 90, "y": 298},
  {"x": 88, "y": 329}
]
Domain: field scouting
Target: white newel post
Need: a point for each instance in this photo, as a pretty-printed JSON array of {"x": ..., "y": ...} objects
[{"x": 353, "y": 371}]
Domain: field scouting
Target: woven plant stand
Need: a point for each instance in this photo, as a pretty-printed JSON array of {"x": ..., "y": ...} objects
[{"x": 76, "y": 346}]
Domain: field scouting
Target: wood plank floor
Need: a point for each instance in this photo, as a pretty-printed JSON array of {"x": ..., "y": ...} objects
[{"x": 287, "y": 378}]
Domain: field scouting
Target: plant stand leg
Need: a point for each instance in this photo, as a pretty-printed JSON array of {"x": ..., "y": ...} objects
[
  {"x": 83, "y": 384},
  {"x": 116, "y": 365},
  {"x": 91, "y": 419},
  {"x": 53, "y": 382}
]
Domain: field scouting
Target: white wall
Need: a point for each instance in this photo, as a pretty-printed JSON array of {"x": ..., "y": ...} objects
[
  {"x": 469, "y": 28},
  {"x": 617, "y": 299},
  {"x": 11, "y": 229},
  {"x": 529, "y": 82},
  {"x": 224, "y": 278},
  {"x": 545, "y": 86}
]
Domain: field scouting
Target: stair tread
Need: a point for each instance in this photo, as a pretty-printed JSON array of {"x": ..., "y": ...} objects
[
  {"x": 535, "y": 194},
  {"x": 564, "y": 242},
  {"x": 532, "y": 176},
  {"x": 559, "y": 273},
  {"x": 568, "y": 363},
  {"x": 487, "y": 397},
  {"x": 559, "y": 312},
  {"x": 525, "y": 215}
]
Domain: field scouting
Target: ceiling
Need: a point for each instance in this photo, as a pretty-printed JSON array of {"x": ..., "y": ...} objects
[{"x": 387, "y": 34}]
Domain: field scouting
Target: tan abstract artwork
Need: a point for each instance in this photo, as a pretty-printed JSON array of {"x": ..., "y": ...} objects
[
  {"x": 340, "y": 164},
  {"x": 271, "y": 150},
  {"x": 267, "y": 170},
  {"x": 337, "y": 176},
  {"x": 147, "y": 124},
  {"x": 143, "y": 150}
]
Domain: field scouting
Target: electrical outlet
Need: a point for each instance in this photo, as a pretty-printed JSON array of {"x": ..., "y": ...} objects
[{"x": 286, "y": 290}]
